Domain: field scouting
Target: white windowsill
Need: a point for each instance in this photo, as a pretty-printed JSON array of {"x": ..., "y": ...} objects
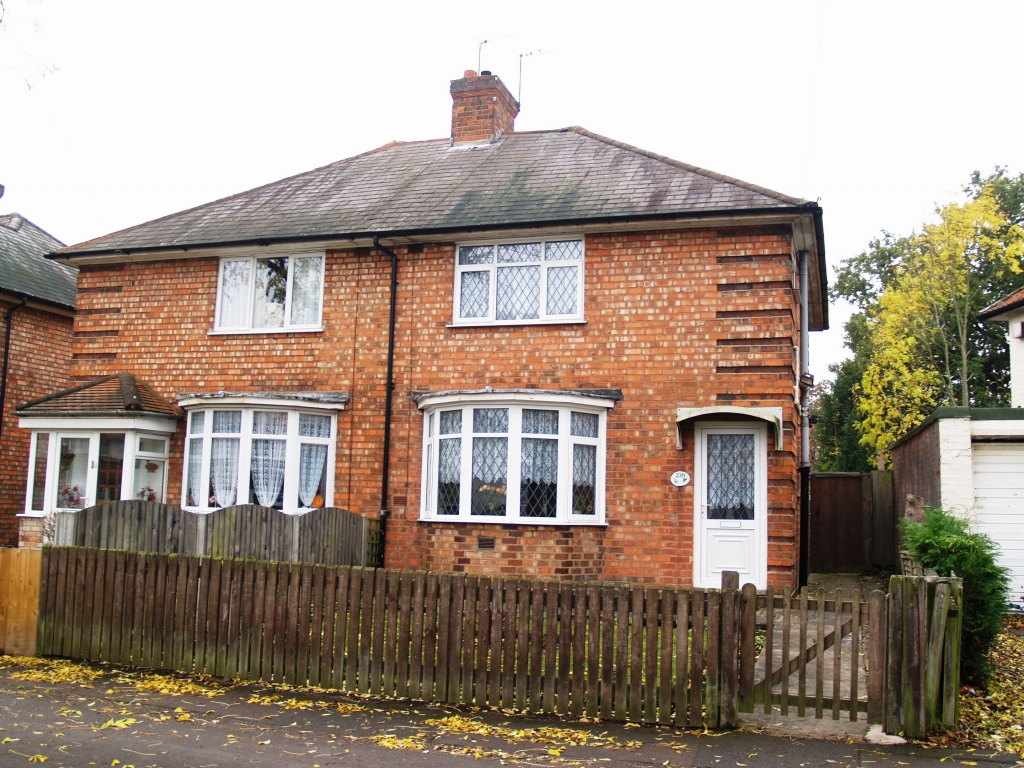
[
  {"x": 31, "y": 515},
  {"x": 501, "y": 521},
  {"x": 250, "y": 331},
  {"x": 506, "y": 323},
  {"x": 211, "y": 510}
]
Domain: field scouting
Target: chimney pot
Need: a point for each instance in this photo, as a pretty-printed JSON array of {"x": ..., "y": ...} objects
[
  {"x": 482, "y": 108},
  {"x": 485, "y": 73}
]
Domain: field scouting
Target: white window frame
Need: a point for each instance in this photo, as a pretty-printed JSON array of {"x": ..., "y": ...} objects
[
  {"x": 564, "y": 404},
  {"x": 245, "y": 437},
  {"x": 544, "y": 318},
  {"x": 131, "y": 452},
  {"x": 288, "y": 327}
]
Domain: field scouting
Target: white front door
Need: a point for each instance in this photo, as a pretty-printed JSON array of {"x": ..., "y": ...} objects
[{"x": 731, "y": 503}]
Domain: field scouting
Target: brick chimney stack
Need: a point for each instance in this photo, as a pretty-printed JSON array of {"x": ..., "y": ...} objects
[{"x": 482, "y": 108}]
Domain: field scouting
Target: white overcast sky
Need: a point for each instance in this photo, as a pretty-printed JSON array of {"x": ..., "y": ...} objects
[{"x": 115, "y": 113}]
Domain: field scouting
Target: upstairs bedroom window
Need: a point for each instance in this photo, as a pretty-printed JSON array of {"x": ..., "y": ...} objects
[
  {"x": 274, "y": 294},
  {"x": 519, "y": 283},
  {"x": 272, "y": 458},
  {"x": 503, "y": 461}
]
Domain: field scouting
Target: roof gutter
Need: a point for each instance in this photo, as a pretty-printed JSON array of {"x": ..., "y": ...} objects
[
  {"x": 35, "y": 302},
  {"x": 68, "y": 254},
  {"x": 388, "y": 396},
  {"x": 8, "y": 320}
]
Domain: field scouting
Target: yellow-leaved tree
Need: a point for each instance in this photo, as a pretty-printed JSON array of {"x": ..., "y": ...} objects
[{"x": 922, "y": 329}]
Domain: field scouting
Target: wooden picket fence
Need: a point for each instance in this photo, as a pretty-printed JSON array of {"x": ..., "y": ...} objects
[
  {"x": 328, "y": 536},
  {"x": 614, "y": 651}
]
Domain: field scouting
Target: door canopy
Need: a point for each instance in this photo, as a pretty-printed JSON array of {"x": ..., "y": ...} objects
[{"x": 771, "y": 415}]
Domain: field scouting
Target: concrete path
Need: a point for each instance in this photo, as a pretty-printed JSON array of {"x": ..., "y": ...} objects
[
  {"x": 848, "y": 583},
  {"x": 110, "y": 722}
]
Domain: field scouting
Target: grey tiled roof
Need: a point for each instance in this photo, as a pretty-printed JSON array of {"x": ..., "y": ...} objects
[
  {"x": 23, "y": 269},
  {"x": 523, "y": 178}
]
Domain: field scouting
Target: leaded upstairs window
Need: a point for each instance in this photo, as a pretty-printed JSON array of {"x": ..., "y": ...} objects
[{"x": 519, "y": 283}]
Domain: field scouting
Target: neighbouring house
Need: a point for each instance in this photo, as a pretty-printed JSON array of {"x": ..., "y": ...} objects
[
  {"x": 969, "y": 460},
  {"x": 539, "y": 354},
  {"x": 37, "y": 304}
]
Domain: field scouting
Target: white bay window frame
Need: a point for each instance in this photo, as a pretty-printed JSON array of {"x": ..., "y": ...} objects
[
  {"x": 492, "y": 268},
  {"x": 250, "y": 298},
  {"x": 245, "y": 436},
  {"x": 90, "y": 429},
  {"x": 516, "y": 403}
]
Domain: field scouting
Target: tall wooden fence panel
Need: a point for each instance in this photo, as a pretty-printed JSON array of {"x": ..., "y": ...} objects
[
  {"x": 19, "y": 600},
  {"x": 328, "y": 536}
]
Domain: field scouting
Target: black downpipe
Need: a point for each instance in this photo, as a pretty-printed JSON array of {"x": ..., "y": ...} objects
[
  {"x": 388, "y": 397},
  {"x": 7, "y": 358}
]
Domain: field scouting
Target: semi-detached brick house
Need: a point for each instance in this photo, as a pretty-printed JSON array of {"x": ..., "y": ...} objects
[
  {"x": 37, "y": 304},
  {"x": 575, "y": 320}
]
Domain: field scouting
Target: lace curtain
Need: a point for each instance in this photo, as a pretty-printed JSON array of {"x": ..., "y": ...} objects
[
  {"x": 269, "y": 423},
  {"x": 306, "y": 290},
  {"x": 268, "y": 470},
  {"x": 195, "y": 470},
  {"x": 224, "y": 470},
  {"x": 312, "y": 459},
  {"x": 730, "y": 477}
]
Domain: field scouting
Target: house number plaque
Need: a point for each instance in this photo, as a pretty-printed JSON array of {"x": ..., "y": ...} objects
[{"x": 679, "y": 479}]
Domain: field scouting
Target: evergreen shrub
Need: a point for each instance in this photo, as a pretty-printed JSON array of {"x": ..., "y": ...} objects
[{"x": 946, "y": 544}]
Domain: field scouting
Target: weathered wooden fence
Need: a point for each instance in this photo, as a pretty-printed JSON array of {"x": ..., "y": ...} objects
[
  {"x": 614, "y": 651},
  {"x": 328, "y": 536},
  {"x": 923, "y": 680},
  {"x": 19, "y": 600}
]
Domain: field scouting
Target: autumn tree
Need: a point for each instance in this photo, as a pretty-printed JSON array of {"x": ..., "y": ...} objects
[{"x": 917, "y": 340}]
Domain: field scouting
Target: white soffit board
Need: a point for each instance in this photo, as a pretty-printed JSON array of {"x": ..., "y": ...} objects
[
  {"x": 997, "y": 428},
  {"x": 99, "y": 424},
  {"x": 771, "y": 415}
]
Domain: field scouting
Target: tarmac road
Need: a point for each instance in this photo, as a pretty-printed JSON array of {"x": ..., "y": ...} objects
[{"x": 110, "y": 723}]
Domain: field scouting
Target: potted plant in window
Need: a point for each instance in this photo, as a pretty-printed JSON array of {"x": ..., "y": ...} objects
[
  {"x": 147, "y": 494},
  {"x": 69, "y": 496}
]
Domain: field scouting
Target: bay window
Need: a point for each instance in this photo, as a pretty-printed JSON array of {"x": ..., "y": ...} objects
[
  {"x": 518, "y": 283},
  {"x": 78, "y": 468},
  {"x": 276, "y": 458},
  {"x": 513, "y": 457},
  {"x": 276, "y": 293}
]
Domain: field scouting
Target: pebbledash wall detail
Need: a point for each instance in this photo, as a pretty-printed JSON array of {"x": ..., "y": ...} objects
[{"x": 549, "y": 376}]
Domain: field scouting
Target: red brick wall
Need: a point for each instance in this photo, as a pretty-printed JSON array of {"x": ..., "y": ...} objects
[
  {"x": 40, "y": 354},
  {"x": 664, "y": 312}
]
